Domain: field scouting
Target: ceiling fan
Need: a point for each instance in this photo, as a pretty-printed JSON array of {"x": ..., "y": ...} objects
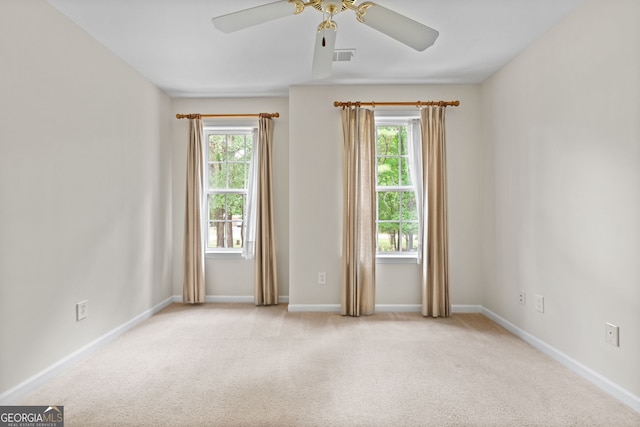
[{"x": 387, "y": 21}]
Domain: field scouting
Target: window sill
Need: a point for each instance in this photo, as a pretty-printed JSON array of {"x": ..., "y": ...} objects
[
  {"x": 223, "y": 255},
  {"x": 397, "y": 259}
]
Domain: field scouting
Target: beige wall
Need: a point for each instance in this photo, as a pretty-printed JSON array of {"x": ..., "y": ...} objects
[
  {"x": 315, "y": 168},
  {"x": 308, "y": 193},
  {"x": 84, "y": 190},
  {"x": 232, "y": 277},
  {"x": 562, "y": 129}
]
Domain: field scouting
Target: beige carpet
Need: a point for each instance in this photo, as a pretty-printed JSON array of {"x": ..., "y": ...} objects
[{"x": 238, "y": 365}]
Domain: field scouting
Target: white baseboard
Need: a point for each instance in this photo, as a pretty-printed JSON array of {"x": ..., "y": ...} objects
[
  {"x": 244, "y": 299},
  {"x": 311, "y": 308},
  {"x": 229, "y": 299},
  {"x": 13, "y": 395},
  {"x": 381, "y": 308},
  {"x": 601, "y": 382},
  {"x": 466, "y": 308},
  {"x": 398, "y": 308}
]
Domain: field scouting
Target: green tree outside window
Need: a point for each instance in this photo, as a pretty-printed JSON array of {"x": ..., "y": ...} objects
[
  {"x": 229, "y": 159},
  {"x": 396, "y": 203}
]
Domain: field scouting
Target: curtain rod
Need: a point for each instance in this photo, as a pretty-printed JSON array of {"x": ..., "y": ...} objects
[
  {"x": 203, "y": 116},
  {"x": 396, "y": 104}
]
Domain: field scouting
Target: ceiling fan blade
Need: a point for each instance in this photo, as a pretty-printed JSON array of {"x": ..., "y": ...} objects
[
  {"x": 401, "y": 28},
  {"x": 323, "y": 53},
  {"x": 253, "y": 16}
]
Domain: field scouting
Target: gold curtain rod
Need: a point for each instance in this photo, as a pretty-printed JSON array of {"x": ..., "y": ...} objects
[
  {"x": 396, "y": 104},
  {"x": 203, "y": 116}
]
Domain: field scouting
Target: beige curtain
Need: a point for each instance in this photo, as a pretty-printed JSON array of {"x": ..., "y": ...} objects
[
  {"x": 194, "y": 241},
  {"x": 266, "y": 285},
  {"x": 435, "y": 265},
  {"x": 359, "y": 225}
]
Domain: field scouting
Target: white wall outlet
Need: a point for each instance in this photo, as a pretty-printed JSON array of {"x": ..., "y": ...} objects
[
  {"x": 612, "y": 334},
  {"x": 540, "y": 303},
  {"x": 522, "y": 297},
  {"x": 81, "y": 310},
  {"x": 322, "y": 278}
]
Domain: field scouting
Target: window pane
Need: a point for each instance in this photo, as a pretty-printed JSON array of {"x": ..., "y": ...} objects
[
  {"x": 388, "y": 171},
  {"x": 409, "y": 236},
  {"x": 212, "y": 235},
  {"x": 226, "y": 220},
  {"x": 217, "y": 207},
  {"x": 387, "y": 143},
  {"x": 217, "y": 221},
  {"x": 236, "y": 175},
  {"x": 388, "y": 205},
  {"x": 217, "y": 175},
  {"x": 236, "y": 147},
  {"x": 217, "y": 148},
  {"x": 409, "y": 208},
  {"x": 220, "y": 235},
  {"x": 235, "y": 206},
  {"x": 226, "y": 207},
  {"x": 388, "y": 236}
]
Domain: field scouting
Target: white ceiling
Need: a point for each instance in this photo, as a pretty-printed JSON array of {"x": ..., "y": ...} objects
[{"x": 174, "y": 44}]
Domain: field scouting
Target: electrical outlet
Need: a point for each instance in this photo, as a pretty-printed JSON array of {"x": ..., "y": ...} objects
[
  {"x": 522, "y": 299},
  {"x": 81, "y": 310},
  {"x": 322, "y": 278},
  {"x": 540, "y": 303},
  {"x": 612, "y": 334}
]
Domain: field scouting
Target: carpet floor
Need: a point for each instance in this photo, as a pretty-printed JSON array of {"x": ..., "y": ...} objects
[{"x": 241, "y": 365}]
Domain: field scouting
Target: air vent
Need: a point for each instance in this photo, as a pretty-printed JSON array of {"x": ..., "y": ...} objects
[{"x": 343, "y": 55}]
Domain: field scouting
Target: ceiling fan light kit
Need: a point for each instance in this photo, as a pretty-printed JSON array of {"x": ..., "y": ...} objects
[
  {"x": 323, "y": 53},
  {"x": 387, "y": 21}
]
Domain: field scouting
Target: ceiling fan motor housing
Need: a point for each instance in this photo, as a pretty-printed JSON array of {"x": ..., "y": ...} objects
[{"x": 333, "y": 6}]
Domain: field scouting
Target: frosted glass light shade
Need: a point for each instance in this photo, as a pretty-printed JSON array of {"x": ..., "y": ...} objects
[
  {"x": 323, "y": 55},
  {"x": 399, "y": 27},
  {"x": 253, "y": 16}
]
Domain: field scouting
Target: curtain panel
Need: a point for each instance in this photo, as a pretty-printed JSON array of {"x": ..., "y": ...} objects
[
  {"x": 359, "y": 216},
  {"x": 249, "y": 246},
  {"x": 414, "y": 150},
  {"x": 193, "y": 288},
  {"x": 435, "y": 265},
  {"x": 266, "y": 285}
]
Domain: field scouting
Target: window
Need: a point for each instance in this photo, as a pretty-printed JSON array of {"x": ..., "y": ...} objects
[
  {"x": 229, "y": 153},
  {"x": 397, "y": 217}
]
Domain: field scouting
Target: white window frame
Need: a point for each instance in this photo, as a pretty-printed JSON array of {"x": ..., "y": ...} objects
[
  {"x": 223, "y": 129},
  {"x": 402, "y": 257}
]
